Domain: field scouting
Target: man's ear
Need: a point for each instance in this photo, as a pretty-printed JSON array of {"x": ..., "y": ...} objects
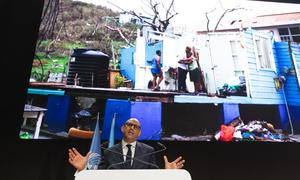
[
  {"x": 122, "y": 129},
  {"x": 139, "y": 133}
]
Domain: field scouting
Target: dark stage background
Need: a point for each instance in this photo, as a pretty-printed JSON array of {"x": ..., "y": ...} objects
[{"x": 47, "y": 159}]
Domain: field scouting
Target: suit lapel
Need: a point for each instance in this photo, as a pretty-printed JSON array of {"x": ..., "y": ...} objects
[
  {"x": 120, "y": 158},
  {"x": 137, "y": 153}
]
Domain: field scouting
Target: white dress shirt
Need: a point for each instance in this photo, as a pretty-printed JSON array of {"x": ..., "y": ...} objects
[
  {"x": 181, "y": 65},
  {"x": 125, "y": 149}
]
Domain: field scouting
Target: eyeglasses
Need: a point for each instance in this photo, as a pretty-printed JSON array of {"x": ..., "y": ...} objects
[{"x": 134, "y": 126}]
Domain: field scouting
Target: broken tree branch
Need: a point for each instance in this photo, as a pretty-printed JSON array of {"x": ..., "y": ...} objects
[
  {"x": 224, "y": 13},
  {"x": 120, "y": 33},
  {"x": 208, "y": 20}
]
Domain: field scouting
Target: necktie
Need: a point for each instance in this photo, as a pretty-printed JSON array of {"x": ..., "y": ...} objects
[{"x": 128, "y": 157}]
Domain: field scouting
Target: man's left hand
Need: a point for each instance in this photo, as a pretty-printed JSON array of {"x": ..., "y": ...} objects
[{"x": 176, "y": 164}]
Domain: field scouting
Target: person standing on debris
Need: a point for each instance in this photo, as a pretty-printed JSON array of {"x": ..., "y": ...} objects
[
  {"x": 156, "y": 71},
  {"x": 182, "y": 72},
  {"x": 193, "y": 69},
  {"x": 202, "y": 82}
]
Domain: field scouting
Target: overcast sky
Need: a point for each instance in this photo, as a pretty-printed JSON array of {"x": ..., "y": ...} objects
[{"x": 191, "y": 13}]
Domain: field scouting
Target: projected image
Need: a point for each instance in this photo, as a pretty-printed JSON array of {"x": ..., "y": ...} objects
[{"x": 226, "y": 71}]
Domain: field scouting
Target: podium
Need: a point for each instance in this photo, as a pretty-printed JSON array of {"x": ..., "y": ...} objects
[{"x": 133, "y": 174}]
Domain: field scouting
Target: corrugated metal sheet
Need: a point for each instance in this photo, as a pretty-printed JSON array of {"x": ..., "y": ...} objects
[
  {"x": 296, "y": 60},
  {"x": 284, "y": 60}
]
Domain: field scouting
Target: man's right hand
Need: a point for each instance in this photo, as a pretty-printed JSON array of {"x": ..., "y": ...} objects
[
  {"x": 77, "y": 160},
  {"x": 181, "y": 61}
]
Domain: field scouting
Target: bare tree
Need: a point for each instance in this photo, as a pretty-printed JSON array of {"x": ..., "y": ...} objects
[
  {"x": 161, "y": 15},
  {"x": 49, "y": 16},
  {"x": 208, "y": 20},
  {"x": 225, "y": 11}
]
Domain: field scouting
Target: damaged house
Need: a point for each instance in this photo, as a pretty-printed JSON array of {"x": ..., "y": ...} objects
[{"x": 264, "y": 59}]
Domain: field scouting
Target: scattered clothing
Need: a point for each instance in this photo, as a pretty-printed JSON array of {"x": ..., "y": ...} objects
[{"x": 253, "y": 131}]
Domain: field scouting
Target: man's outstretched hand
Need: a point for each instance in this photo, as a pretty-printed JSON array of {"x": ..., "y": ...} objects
[
  {"x": 77, "y": 160},
  {"x": 176, "y": 164}
]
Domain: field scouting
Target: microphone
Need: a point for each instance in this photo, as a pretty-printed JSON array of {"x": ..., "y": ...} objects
[
  {"x": 136, "y": 158},
  {"x": 154, "y": 152},
  {"x": 147, "y": 154}
]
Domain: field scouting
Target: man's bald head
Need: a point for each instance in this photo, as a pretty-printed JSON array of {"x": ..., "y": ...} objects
[
  {"x": 131, "y": 130},
  {"x": 133, "y": 120}
]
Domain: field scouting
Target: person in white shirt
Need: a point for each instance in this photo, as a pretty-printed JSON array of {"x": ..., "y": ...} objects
[
  {"x": 182, "y": 69},
  {"x": 193, "y": 69}
]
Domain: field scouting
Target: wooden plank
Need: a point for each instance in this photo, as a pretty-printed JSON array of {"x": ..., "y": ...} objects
[
  {"x": 45, "y": 92},
  {"x": 263, "y": 75},
  {"x": 266, "y": 93},
  {"x": 265, "y": 82},
  {"x": 264, "y": 79},
  {"x": 261, "y": 72},
  {"x": 214, "y": 100},
  {"x": 263, "y": 95},
  {"x": 252, "y": 60},
  {"x": 265, "y": 89},
  {"x": 267, "y": 101}
]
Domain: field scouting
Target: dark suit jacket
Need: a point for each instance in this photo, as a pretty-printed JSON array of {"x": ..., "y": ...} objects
[{"x": 113, "y": 160}]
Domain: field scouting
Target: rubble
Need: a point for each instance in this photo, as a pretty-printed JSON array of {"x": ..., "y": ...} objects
[
  {"x": 253, "y": 131},
  {"x": 236, "y": 130}
]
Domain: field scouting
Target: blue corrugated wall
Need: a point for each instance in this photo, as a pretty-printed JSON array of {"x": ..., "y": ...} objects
[
  {"x": 291, "y": 85},
  {"x": 261, "y": 81},
  {"x": 127, "y": 65}
]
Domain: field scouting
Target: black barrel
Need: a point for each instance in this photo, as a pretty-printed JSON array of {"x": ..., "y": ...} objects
[{"x": 90, "y": 66}]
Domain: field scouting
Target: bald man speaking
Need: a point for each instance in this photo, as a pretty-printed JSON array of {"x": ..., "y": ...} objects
[{"x": 128, "y": 154}]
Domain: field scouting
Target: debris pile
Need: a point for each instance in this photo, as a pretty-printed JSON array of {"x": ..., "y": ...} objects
[
  {"x": 253, "y": 131},
  {"x": 234, "y": 87}
]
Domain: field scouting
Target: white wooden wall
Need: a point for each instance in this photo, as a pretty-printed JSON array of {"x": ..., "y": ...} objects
[{"x": 214, "y": 51}]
